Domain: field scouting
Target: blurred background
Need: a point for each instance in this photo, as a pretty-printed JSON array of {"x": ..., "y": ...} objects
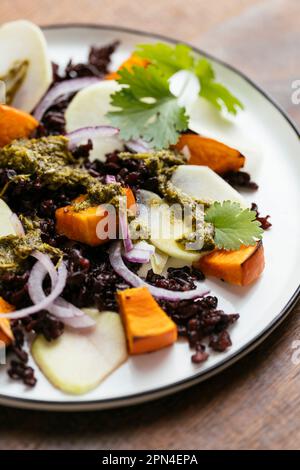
[{"x": 261, "y": 37}]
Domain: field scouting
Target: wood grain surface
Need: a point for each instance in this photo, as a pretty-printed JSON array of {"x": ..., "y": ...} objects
[{"x": 256, "y": 403}]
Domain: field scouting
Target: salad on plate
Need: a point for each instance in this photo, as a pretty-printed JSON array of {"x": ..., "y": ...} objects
[{"x": 114, "y": 211}]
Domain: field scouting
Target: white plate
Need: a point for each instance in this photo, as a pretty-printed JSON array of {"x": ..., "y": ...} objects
[{"x": 271, "y": 142}]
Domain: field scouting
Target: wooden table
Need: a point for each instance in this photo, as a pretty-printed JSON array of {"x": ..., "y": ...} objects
[{"x": 256, "y": 403}]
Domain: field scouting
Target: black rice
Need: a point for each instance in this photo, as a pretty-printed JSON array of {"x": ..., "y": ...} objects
[
  {"x": 264, "y": 221},
  {"x": 240, "y": 179},
  {"x": 53, "y": 121}
]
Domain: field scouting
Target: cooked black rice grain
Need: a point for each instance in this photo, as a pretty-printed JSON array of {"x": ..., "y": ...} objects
[
  {"x": 198, "y": 319},
  {"x": 96, "y": 66},
  {"x": 240, "y": 179},
  {"x": 220, "y": 341},
  {"x": 181, "y": 279},
  {"x": 200, "y": 355},
  {"x": 129, "y": 172},
  {"x": 265, "y": 223},
  {"x": 20, "y": 371}
]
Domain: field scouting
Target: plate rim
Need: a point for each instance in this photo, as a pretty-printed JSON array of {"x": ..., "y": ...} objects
[{"x": 109, "y": 403}]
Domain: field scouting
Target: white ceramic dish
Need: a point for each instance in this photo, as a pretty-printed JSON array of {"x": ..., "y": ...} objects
[{"x": 271, "y": 143}]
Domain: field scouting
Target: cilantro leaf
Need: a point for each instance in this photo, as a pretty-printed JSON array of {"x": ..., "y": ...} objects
[
  {"x": 204, "y": 70},
  {"x": 219, "y": 95},
  {"x": 213, "y": 91},
  {"x": 234, "y": 226},
  {"x": 171, "y": 59},
  {"x": 147, "y": 109}
]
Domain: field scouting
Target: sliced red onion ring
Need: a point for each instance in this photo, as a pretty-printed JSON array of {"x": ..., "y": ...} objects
[
  {"x": 63, "y": 88},
  {"x": 140, "y": 253},
  {"x": 85, "y": 133},
  {"x": 121, "y": 269},
  {"x": 36, "y": 278},
  {"x": 137, "y": 256},
  {"x": 17, "y": 224},
  {"x": 48, "y": 265},
  {"x": 145, "y": 246},
  {"x": 79, "y": 322},
  {"x": 60, "y": 307},
  {"x": 35, "y": 287},
  {"x": 110, "y": 179},
  {"x": 65, "y": 311},
  {"x": 138, "y": 146}
]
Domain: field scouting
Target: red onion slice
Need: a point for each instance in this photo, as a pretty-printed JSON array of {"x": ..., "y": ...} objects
[
  {"x": 36, "y": 278},
  {"x": 36, "y": 292},
  {"x": 138, "y": 146},
  {"x": 48, "y": 265},
  {"x": 145, "y": 246},
  {"x": 121, "y": 269},
  {"x": 63, "y": 88},
  {"x": 110, "y": 179},
  {"x": 140, "y": 253},
  {"x": 137, "y": 256},
  {"x": 79, "y": 322},
  {"x": 65, "y": 311},
  {"x": 37, "y": 295},
  {"x": 60, "y": 308},
  {"x": 85, "y": 133}
]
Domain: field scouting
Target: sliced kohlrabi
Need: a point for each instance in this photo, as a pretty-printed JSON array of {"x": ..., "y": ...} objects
[
  {"x": 202, "y": 183},
  {"x": 164, "y": 229},
  {"x": 6, "y": 225},
  {"x": 78, "y": 362},
  {"x": 89, "y": 108},
  {"x": 23, "y": 48}
]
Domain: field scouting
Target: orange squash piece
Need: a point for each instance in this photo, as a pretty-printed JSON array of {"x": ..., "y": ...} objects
[
  {"x": 148, "y": 327},
  {"x": 82, "y": 225},
  {"x": 209, "y": 152},
  {"x": 6, "y": 334},
  {"x": 241, "y": 267},
  {"x": 128, "y": 64},
  {"x": 15, "y": 124}
]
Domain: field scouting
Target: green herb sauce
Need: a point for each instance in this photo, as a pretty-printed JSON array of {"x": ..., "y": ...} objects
[
  {"x": 15, "y": 250},
  {"x": 49, "y": 159}
]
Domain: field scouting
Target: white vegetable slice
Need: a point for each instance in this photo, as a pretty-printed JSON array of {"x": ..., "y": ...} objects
[
  {"x": 89, "y": 108},
  {"x": 7, "y": 226},
  {"x": 173, "y": 249},
  {"x": 158, "y": 261},
  {"x": 164, "y": 229},
  {"x": 78, "y": 362},
  {"x": 22, "y": 40},
  {"x": 148, "y": 197},
  {"x": 203, "y": 183}
]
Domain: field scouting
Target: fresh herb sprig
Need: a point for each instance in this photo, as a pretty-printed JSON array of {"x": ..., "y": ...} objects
[
  {"x": 145, "y": 106},
  {"x": 171, "y": 59},
  {"x": 234, "y": 226}
]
